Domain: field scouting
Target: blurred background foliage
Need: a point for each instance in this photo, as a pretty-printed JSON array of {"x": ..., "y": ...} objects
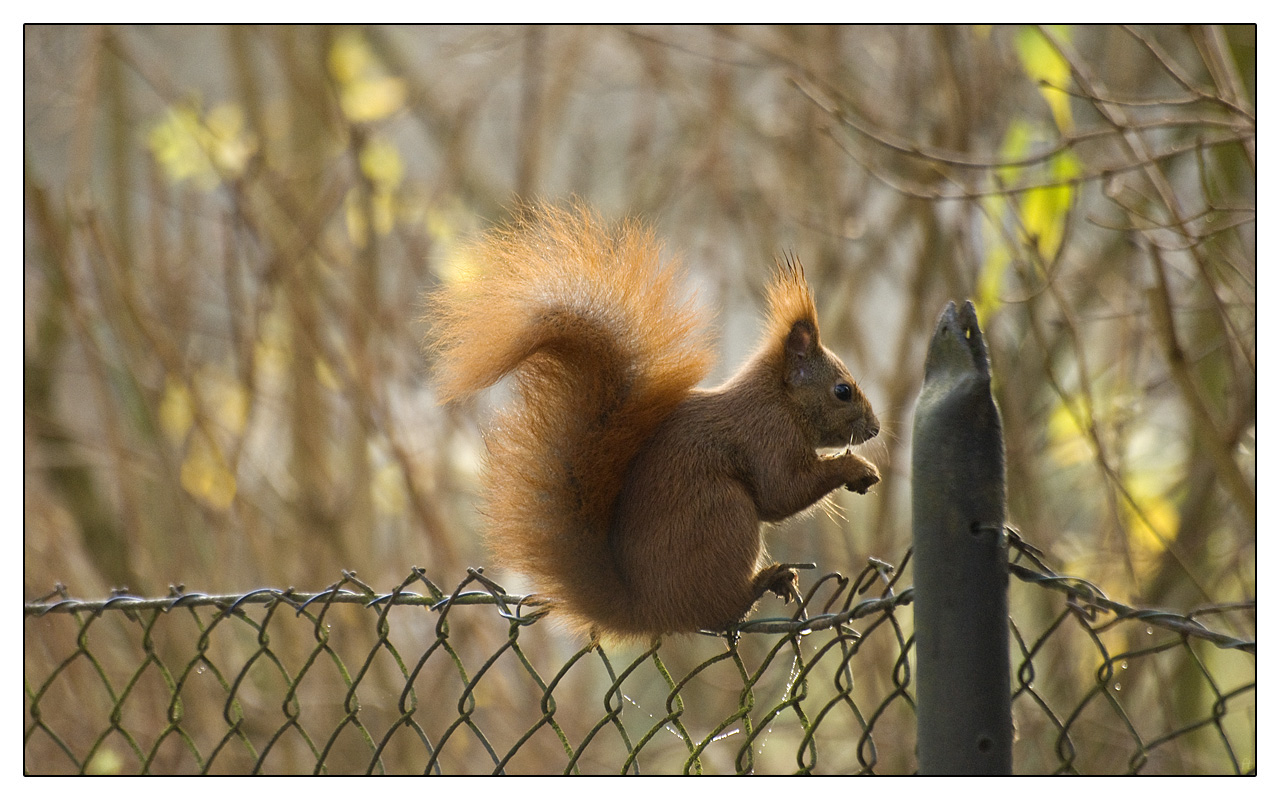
[{"x": 228, "y": 232}]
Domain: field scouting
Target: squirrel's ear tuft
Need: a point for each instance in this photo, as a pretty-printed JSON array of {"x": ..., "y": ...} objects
[
  {"x": 792, "y": 266},
  {"x": 790, "y": 301}
]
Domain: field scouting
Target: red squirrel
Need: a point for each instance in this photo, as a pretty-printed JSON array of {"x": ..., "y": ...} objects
[{"x": 632, "y": 499}]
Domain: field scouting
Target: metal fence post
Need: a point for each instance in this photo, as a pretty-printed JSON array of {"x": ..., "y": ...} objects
[{"x": 964, "y": 722}]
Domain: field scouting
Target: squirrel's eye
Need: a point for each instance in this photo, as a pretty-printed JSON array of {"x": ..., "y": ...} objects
[{"x": 844, "y": 393}]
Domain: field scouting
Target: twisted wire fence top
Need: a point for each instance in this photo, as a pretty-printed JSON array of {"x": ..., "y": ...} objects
[{"x": 420, "y": 680}]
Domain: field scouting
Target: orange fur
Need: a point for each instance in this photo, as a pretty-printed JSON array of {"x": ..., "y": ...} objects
[{"x": 632, "y": 499}]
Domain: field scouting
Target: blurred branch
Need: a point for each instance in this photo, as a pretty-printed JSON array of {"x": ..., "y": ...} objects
[
  {"x": 1065, "y": 142},
  {"x": 1220, "y": 446},
  {"x": 1220, "y": 443},
  {"x": 1088, "y": 175},
  {"x": 1170, "y": 66}
]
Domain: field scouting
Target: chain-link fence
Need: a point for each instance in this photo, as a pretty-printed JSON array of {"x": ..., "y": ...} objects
[{"x": 420, "y": 680}]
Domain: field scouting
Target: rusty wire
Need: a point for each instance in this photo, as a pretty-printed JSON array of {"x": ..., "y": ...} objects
[{"x": 419, "y": 680}]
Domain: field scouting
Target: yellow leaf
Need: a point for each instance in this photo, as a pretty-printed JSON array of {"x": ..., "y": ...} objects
[
  {"x": 389, "y": 494},
  {"x": 270, "y": 358},
  {"x": 272, "y": 352},
  {"x": 175, "y": 144},
  {"x": 175, "y": 412},
  {"x": 1068, "y": 443},
  {"x": 1016, "y": 144},
  {"x": 372, "y": 99},
  {"x": 1154, "y": 522},
  {"x": 381, "y": 163},
  {"x": 1045, "y": 65},
  {"x": 325, "y": 374},
  {"x": 205, "y": 475},
  {"x": 202, "y": 150},
  {"x": 1045, "y": 209},
  {"x": 349, "y": 58},
  {"x": 230, "y": 147}
]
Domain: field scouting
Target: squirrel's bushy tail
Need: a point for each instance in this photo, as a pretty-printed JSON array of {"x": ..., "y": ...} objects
[{"x": 602, "y": 347}]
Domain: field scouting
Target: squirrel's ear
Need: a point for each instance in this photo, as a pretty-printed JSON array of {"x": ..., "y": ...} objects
[{"x": 799, "y": 345}]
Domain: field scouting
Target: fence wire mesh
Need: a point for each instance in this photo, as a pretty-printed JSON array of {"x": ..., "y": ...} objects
[{"x": 350, "y": 680}]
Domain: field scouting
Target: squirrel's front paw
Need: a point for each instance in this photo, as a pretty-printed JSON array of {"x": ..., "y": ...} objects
[
  {"x": 782, "y": 581},
  {"x": 866, "y": 476}
]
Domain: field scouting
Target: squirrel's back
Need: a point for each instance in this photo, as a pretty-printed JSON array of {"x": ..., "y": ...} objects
[{"x": 602, "y": 347}]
